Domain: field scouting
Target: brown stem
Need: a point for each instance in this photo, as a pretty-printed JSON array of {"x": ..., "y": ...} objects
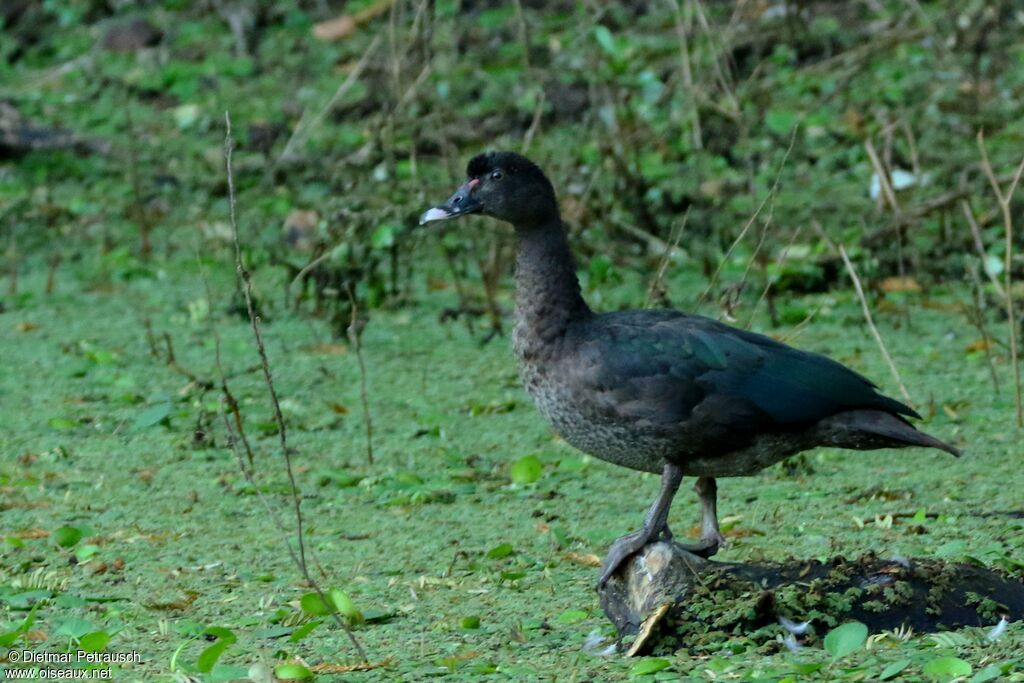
[{"x": 246, "y": 281}]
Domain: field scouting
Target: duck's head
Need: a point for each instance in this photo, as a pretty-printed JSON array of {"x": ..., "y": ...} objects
[{"x": 503, "y": 185}]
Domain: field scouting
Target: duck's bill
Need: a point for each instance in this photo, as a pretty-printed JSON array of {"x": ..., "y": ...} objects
[{"x": 459, "y": 204}]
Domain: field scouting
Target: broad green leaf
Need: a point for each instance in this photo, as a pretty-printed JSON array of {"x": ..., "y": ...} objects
[
  {"x": 292, "y": 672},
  {"x": 95, "y": 641},
  {"x": 84, "y": 552},
  {"x": 343, "y": 603},
  {"x": 304, "y": 630},
  {"x": 893, "y": 669},
  {"x": 989, "y": 673},
  {"x": 573, "y": 616},
  {"x": 526, "y": 469},
  {"x": 780, "y": 122},
  {"x": 9, "y": 638},
  {"x": 846, "y": 639},
  {"x": 606, "y": 40},
  {"x": 946, "y": 668},
  {"x": 649, "y": 665},
  {"x": 153, "y": 415},
  {"x": 74, "y": 627},
  {"x": 312, "y": 604},
  {"x": 67, "y": 536},
  {"x": 209, "y": 656},
  {"x": 222, "y": 673},
  {"x": 384, "y": 237},
  {"x": 500, "y": 551}
]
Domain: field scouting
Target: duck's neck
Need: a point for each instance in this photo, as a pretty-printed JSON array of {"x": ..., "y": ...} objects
[{"x": 548, "y": 295}]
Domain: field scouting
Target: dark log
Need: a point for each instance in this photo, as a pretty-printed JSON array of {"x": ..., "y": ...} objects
[{"x": 665, "y": 598}]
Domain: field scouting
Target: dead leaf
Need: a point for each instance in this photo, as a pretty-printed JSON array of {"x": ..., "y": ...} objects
[
  {"x": 335, "y": 29},
  {"x": 979, "y": 345},
  {"x": 344, "y": 26},
  {"x": 328, "y": 668},
  {"x": 184, "y": 603},
  {"x": 899, "y": 284},
  {"x": 586, "y": 559},
  {"x": 25, "y": 326},
  {"x": 300, "y": 229},
  {"x": 338, "y": 408},
  {"x": 27, "y": 534},
  {"x": 329, "y": 349}
]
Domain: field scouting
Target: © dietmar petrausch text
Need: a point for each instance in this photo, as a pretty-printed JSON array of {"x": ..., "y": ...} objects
[{"x": 28, "y": 665}]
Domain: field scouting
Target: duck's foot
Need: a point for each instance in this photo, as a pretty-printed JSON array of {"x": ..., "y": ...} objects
[
  {"x": 622, "y": 549},
  {"x": 711, "y": 538},
  {"x": 706, "y": 546},
  {"x": 655, "y": 526}
]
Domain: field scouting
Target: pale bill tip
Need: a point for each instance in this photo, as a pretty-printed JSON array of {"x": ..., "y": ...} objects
[{"x": 434, "y": 214}]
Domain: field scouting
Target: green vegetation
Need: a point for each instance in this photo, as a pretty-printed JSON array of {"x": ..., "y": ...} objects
[{"x": 466, "y": 548}]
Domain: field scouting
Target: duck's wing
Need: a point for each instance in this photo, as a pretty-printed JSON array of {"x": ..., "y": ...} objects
[{"x": 664, "y": 368}]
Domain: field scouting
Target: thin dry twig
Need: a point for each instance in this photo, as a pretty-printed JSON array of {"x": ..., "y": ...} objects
[
  {"x": 531, "y": 132},
  {"x": 303, "y": 128},
  {"x": 755, "y": 256},
  {"x": 883, "y": 177},
  {"x": 871, "y": 324},
  {"x": 657, "y": 286},
  {"x": 12, "y": 263},
  {"x": 245, "y": 279},
  {"x": 687, "y": 72},
  {"x": 778, "y": 272},
  {"x": 769, "y": 197},
  {"x": 522, "y": 34},
  {"x": 138, "y": 208},
  {"x": 1004, "y": 197},
  {"x": 979, "y": 245},
  {"x": 357, "y": 346},
  {"x": 976, "y": 316},
  {"x": 306, "y": 270}
]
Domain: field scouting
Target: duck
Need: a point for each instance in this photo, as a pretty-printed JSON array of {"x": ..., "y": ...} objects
[{"x": 659, "y": 390}]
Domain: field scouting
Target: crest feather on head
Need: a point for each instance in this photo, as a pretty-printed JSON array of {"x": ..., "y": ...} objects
[{"x": 509, "y": 162}]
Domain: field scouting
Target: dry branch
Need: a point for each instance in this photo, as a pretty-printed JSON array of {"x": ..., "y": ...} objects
[
  {"x": 303, "y": 128},
  {"x": 871, "y": 324},
  {"x": 1004, "y": 197},
  {"x": 866, "y": 310},
  {"x": 979, "y": 245},
  {"x": 245, "y": 279},
  {"x": 657, "y": 288},
  {"x": 357, "y": 346},
  {"x": 769, "y": 197}
]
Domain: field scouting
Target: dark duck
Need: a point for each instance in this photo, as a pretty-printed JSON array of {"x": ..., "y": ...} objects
[{"x": 659, "y": 390}]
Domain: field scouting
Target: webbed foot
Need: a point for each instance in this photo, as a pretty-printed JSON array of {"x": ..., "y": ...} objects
[{"x": 626, "y": 546}]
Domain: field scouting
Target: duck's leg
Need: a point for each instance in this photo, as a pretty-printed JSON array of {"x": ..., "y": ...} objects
[
  {"x": 711, "y": 538},
  {"x": 655, "y": 524}
]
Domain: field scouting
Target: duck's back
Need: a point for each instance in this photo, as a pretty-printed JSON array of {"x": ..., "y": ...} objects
[{"x": 638, "y": 387}]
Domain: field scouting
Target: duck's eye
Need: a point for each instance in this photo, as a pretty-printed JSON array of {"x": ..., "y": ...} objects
[{"x": 496, "y": 175}]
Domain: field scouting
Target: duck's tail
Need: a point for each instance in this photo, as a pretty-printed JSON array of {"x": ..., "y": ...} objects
[{"x": 871, "y": 429}]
